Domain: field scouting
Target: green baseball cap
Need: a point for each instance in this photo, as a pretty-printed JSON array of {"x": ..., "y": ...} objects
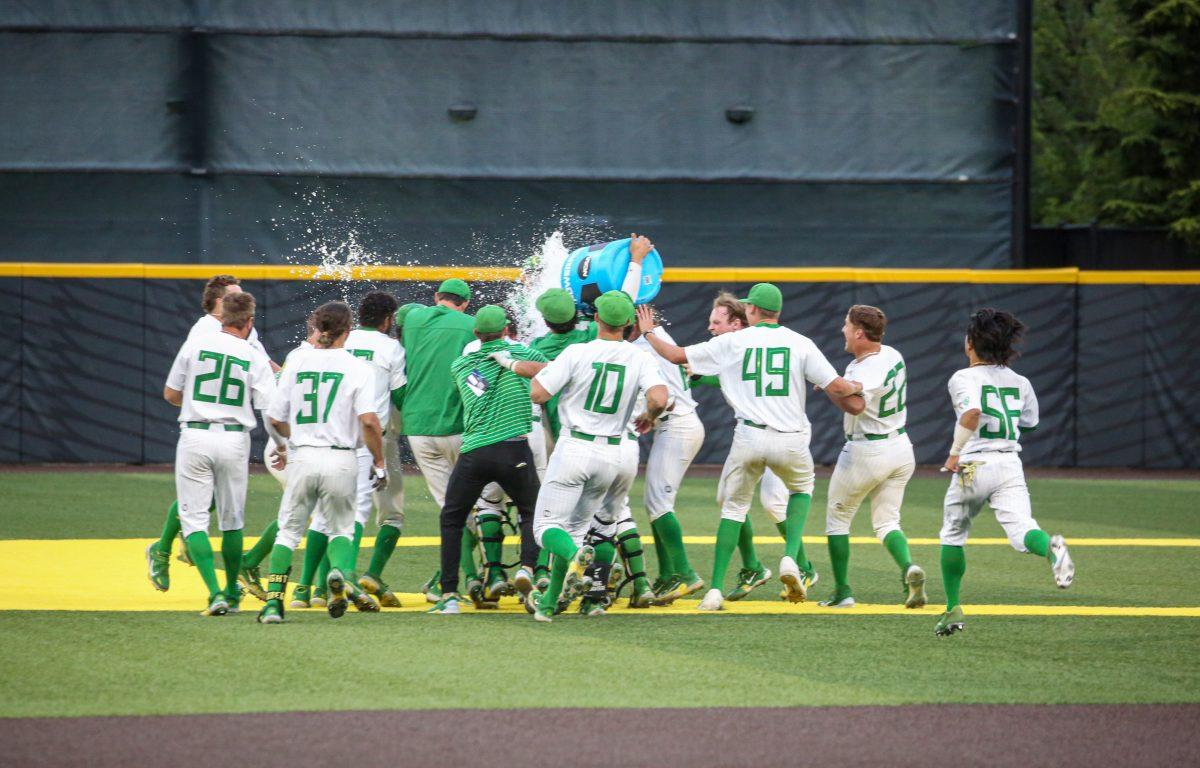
[
  {"x": 764, "y": 296},
  {"x": 490, "y": 319},
  {"x": 556, "y": 305},
  {"x": 615, "y": 308},
  {"x": 457, "y": 287},
  {"x": 403, "y": 311}
]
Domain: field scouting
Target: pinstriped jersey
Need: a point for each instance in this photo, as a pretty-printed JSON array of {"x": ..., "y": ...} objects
[
  {"x": 495, "y": 401},
  {"x": 884, "y": 381}
]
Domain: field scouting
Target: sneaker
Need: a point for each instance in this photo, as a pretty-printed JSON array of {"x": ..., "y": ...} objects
[
  {"x": 184, "y": 556},
  {"x": 794, "y": 588},
  {"x": 1062, "y": 564},
  {"x": 335, "y": 583},
  {"x": 950, "y": 622},
  {"x": 475, "y": 593},
  {"x": 522, "y": 582},
  {"x": 447, "y": 606},
  {"x": 680, "y": 588},
  {"x": 376, "y": 587},
  {"x": 319, "y": 597},
  {"x": 363, "y": 603},
  {"x": 301, "y": 596},
  {"x": 497, "y": 586},
  {"x": 271, "y": 613},
  {"x": 914, "y": 581},
  {"x": 712, "y": 601},
  {"x": 432, "y": 589},
  {"x": 589, "y": 607},
  {"x": 251, "y": 579},
  {"x": 842, "y": 598},
  {"x": 577, "y": 581},
  {"x": 217, "y": 606},
  {"x": 748, "y": 579},
  {"x": 158, "y": 567}
]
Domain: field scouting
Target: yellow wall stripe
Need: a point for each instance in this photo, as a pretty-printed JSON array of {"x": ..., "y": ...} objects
[{"x": 1064, "y": 276}]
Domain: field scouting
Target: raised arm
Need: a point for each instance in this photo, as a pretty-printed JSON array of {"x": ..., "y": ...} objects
[{"x": 646, "y": 324}]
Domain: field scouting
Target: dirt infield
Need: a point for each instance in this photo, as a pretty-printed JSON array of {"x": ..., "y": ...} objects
[{"x": 958, "y": 735}]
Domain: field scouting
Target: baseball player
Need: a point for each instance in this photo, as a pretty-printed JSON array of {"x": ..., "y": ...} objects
[
  {"x": 498, "y": 417},
  {"x": 217, "y": 380},
  {"x": 763, "y": 372},
  {"x": 326, "y": 405},
  {"x": 158, "y": 554},
  {"x": 589, "y": 475},
  {"x": 877, "y": 460},
  {"x": 994, "y": 405}
]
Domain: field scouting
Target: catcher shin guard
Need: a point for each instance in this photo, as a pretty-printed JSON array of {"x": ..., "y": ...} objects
[{"x": 629, "y": 544}]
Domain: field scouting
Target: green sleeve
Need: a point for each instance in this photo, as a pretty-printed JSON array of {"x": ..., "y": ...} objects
[{"x": 398, "y": 397}]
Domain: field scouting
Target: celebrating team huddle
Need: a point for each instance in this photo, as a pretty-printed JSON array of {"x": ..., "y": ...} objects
[{"x": 550, "y": 428}]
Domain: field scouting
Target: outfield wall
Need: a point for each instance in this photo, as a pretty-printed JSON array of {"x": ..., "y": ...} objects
[{"x": 1111, "y": 355}]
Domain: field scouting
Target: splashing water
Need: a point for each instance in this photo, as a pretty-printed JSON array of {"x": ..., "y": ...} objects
[{"x": 540, "y": 272}]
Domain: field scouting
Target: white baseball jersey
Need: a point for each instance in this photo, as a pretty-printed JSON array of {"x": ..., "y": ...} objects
[
  {"x": 678, "y": 384},
  {"x": 884, "y": 381},
  {"x": 764, "y": 373},
  {"x": 385, "y": 356},
  {"x": 209, "y": 324},
  {"x": 321, "y": 394},
  {"x": 223, "y": 378},
  {"x": 1006, "y": 403},
  {"x": 598, "y": 384}
]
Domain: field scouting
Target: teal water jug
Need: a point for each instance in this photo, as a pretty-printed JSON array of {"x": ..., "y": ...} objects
[{"x": 596, "y": 269}]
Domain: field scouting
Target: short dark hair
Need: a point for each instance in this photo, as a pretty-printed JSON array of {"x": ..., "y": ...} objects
[
  {"x": 375, "y": 308},
  {"x": 994, "y": 335},
  {"x": 453, "y": 298},
  {"x": 237, "y": 309},
  {"x": 566, "y": 327},
  {"x": 486, "y": 337},
  {"x": 331, "y": 320},
  {"x": 870, "y": 320},
  {"x": 214, "y": 289}
]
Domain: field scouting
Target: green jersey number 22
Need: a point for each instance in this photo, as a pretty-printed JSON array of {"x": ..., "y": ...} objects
[
  {"x": 897, "y": 394},
  {"x": 311, "y": 409}
]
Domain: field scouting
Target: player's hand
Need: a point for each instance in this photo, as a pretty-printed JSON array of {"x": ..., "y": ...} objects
[
  {"x": 646, "y": 320},
  {"x": 278, "y": 457},
  {"x": 379, "y": 478},
  {"x": 644, "y": 423},
  {"x": 951, "y": 464},
  {"x": 639, "y": 246},
  {"x": 503, "y": 358}
]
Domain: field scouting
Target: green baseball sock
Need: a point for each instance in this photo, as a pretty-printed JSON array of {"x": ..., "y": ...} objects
[
  {"x": 323, "y": 569},
  {"x": 727, "y": 540},
  {"x": 356, "y": 545},
  {"x": 491, "y": 533},
  {"x": 341, "y": 555},
  {"x": 543, "y": 563},
  {"x": 262, "y": 547},
  {"x": 385, "y": 544},
  {"x": 797, "y": 514},
  {"x": 558, "y": 574},
  {"x": 954, "y": 565},
  {"x": 170, "y": 529},
  {"x": 897, "y": 546},
  {"x": 314, "y": 553},
  {"x": 661, "y": 555},
  {"x": 1037, "y": 542},
  {"x": 466, "y": 560},
  {"x": 201, "y": 553},
  {"x": 280, "y": 566},
  {"x": 839, "y": 556},
  {"x": 605, "y": 552},
  {"x": 745, "y": 545},
  {"x": 231, "y": 553},
  {"x": 559, "y": 544},
  {"x": 631, "y": 549},
  {"x": 781, "y": 526},
  {"x": 668, "y": 529}
]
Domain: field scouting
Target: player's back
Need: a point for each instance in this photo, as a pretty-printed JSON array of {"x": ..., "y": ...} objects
[
  {"x": 1006, "y": 402},
  {"x": 552, "y": 344},
  {"x": 598, "y": 385},
  {"x": 321, "y": 394},
  {"x": 679, "y": 385},
  {"x": 222, "y": 378},
  {"x": 207, "y": 324},
  {"x": 433, "y": 338},
  {"x": 884, "y": 379},
  {"x": 385, "y": 357}
]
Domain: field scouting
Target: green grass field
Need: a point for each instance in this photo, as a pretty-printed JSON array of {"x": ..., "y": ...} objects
[{"x": 91, "y": 663}]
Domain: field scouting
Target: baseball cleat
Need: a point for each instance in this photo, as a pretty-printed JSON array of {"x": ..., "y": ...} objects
[
  {"x": 577, "y": 581},
  {"x": 842, "y": 598},
  {"x": 497, "y": 587},
  {"x": 363, "y": 603},
  {"x": 522, "y": 582},
  {"x": 542, "y": 614},
  {"x": 319, "y": 597},
  {"x": 950, "y": 622},
  {"x": 184, "y": 556},
  {"x": 1062, "y": 565},
  {"x": 336, "y": 584},
  {"x": 616, "y": 574},
  {"x": 478, "y": 599},
  {"x": 643, "y": 599},
  {"x": 541, "y": 579},
  {"x": 447, "y": 606},
  {"x": 271, "y": 613},
  {"x": 794, "y": 588},
  {"x": 301, "y": 597},
  {"x": 712, "y": 601},
  {"x": 589, "y": 607},
  {"x": 376, "y": 587},
  {"x": 158, "y": 567},
  {"x": 251, "y": 579},
  {"x": 432, "y": 589},
  {"x": 662, "y": 584},
  {"x": 235, "y": 600},
  {"x": 914, "y": 580},
  {"x": 679, "y": 588},
  {"x": 530, "y": 601},
  {"x": 748, "y": 579},
  {"x": 217, "y": 606}
]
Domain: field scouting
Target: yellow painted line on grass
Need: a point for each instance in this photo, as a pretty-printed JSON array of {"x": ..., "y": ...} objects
[{"x": 1063, "y": 276}]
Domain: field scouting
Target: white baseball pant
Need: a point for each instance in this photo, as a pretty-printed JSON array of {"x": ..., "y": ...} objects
[
  {"x": 318, "y": 476},
  {"x": 677, "y": 440},
  {"x": 773, "y": 495},
  {"x": 211, "y": 464},
  {"x": 752, "y": 451},
  {"x": 587, "y": 483},
  {"x": 998, "y": 480},
  {"x": 875, "y": 469},
  {"x": 436, "y": 456}
]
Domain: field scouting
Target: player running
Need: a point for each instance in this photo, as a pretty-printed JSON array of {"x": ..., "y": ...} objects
[
  {"x": 762, "y": 371},
  {"x": 994, "y": 404},
  {"x": 589, "y": 474},
  {"x": 325, "y": 404},
  {"x": 877, "y": 460},
  {"x": 217, "y": 379}
]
